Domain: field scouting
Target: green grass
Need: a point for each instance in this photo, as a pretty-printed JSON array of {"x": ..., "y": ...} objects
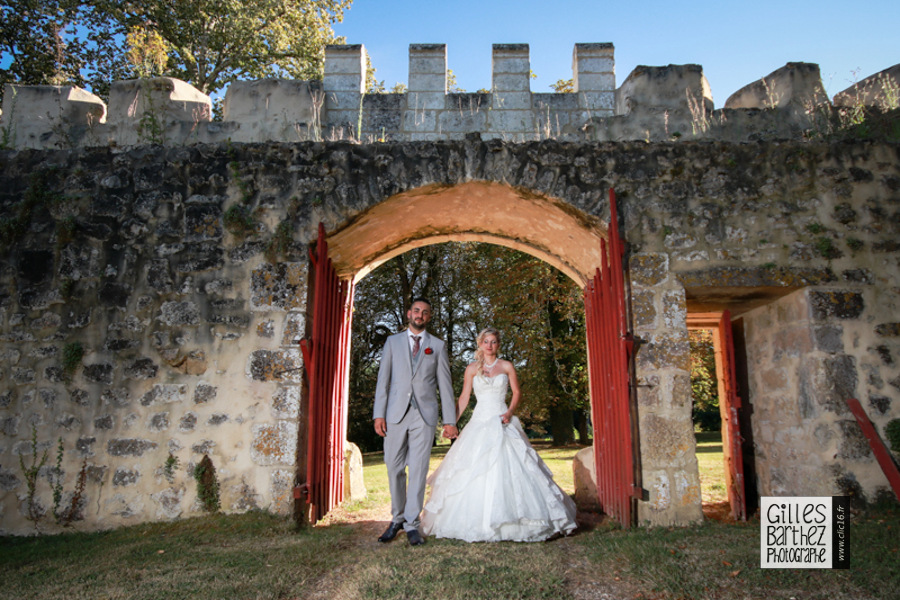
[
  {"x": 258, "y": 556},
  {"x": 711, "y": 463}
]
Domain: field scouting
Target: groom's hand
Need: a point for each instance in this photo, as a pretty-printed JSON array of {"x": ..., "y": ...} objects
[
  {"x": 451, "y": 432},
  {"x": 381, "y": 427}
]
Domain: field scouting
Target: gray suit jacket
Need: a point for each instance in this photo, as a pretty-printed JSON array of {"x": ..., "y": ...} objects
[{"x": 397, "y": 383}]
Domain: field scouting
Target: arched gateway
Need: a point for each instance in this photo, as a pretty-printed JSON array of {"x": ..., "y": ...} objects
[
  {"x": 182, "y": 275},
  {"x": 583, "y": 247}
]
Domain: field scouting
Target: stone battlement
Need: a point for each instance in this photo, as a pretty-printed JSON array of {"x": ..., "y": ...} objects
[{"x": 653, "y": 103}]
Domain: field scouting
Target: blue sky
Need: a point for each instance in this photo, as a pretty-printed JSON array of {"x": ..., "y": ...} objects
[{"x": 736, "y": 43}]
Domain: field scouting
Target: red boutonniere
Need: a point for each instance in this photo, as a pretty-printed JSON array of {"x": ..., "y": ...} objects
[{"x": 429, "y": 351}]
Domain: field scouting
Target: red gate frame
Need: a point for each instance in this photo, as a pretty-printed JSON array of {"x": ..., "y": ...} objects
[
  {"x": 326, "y": 356},
  {"x": 610, "y": 346}
]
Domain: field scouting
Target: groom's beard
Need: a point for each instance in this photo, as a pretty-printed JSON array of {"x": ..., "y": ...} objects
[{"x": 417, "y": 325}]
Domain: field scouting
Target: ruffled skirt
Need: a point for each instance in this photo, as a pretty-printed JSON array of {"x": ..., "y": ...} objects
[{"x": 493, "y": 486}]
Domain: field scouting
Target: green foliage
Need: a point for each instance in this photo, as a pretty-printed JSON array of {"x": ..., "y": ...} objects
[
  {"x": 211, "y": 43},
  {"x": 815, "y": 228},
  {"x": 240, "y": 221},
  {"x": 563, "y": 86},
  {"x": 59, "y": 42},
  {"x": 538, "y": 310},
  {"x": 892, "y": 433},
  {"x": 207, "y": 484},
  {"x": 826, "y": 248},
  {"x": 33, "y": 510},
  {"x": 66, "y": 288},
  {"x": 169, "y": 468},
  {"x": 280, "y": 244},
  {"x": 57, "y": 482},
  {"x": 704, "y": 385},
  {"x": 854, "y": 244},
  {"x": 72, "y": 354}
]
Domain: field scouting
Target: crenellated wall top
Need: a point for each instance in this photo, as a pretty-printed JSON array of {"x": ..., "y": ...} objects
[{"x": 654, "y": 103}]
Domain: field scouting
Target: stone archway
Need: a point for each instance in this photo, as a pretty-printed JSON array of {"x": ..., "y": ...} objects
[
  {"x": 490, "y": 212},
  {"x": 474, "y": 211}
]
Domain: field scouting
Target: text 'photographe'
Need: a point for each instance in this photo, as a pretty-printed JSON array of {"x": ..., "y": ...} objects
[{"x": 804, "y": 532}]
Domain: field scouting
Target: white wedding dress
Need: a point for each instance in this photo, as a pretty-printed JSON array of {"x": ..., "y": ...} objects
[{"x": 492, "y": 485}]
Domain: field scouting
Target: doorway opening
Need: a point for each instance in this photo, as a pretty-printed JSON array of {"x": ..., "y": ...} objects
[{"x": 718, "y": 415}]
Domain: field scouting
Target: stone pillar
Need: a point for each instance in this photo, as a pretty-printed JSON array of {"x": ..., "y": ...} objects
[
  {"x": 511, "y": 116},
  {"x": 594, "y": 73},
  {"x": 662, "y": 360},
  {"x": 345, "y": 84},
  {"x": 426, "y": 96}
]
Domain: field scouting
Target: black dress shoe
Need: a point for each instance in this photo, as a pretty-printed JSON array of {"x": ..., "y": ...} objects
[
  {"x": 415, "y": 538},
  {"x": 391, "y": 532}
]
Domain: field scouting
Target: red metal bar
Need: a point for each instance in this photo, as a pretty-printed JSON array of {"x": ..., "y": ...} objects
[
  {"x": 885, "y": 461},
  {"x": 326, "y": 355},
  {"x": 609, "y": 347}
]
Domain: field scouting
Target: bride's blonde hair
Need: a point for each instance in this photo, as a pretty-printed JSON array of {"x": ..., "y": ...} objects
[{"x": 479, "y": 354}]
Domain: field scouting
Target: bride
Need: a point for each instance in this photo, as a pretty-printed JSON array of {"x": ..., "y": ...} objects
[{"x": 492, "y": 485}]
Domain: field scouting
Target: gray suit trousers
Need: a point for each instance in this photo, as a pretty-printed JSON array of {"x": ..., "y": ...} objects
[{"x": 408, "y": 442}]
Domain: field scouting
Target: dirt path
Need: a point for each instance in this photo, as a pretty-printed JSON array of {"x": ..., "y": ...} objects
[{"x": 583, "y": 582}]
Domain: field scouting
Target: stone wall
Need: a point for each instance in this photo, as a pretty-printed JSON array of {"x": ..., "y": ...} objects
[
  {"x": 654, "y": 103},
  {"x": 182, "y": 273}
]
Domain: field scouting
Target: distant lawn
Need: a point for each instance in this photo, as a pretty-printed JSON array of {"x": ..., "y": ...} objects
[{"x": 711, "y": 462}]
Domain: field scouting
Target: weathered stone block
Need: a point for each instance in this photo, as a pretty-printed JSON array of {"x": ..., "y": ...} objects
[
  {"x": 99, "y": 373},
  {"x": 839, "y": 305},
  {"x": 269, "y": 365},
  {"x": 354, "y": 484},
  {"x": 204, "y": 393},
  {"x": 164, "y": 393},
  {"x": 125, "y": 477},
  {"x": 169, "y": 502},
  {"x": 854, "y": 445},
  {"x": 286, "y": 403},
  {"x": 643, "y": 309},
  {"x": 188, "y": 422},
  {"x": 141, "y": 368},
  {"x": 888, "y": 330},
  {"x": 281, "y": 286},
  {"x": 158, "y": 422},
  {"x": 666, "y": 440},
  {"x": 274, "y": 444},
  {"x": 585, "y": 475},
  {"x": 203, "y": 222},
  {"x": 217, "y": 419},
  {"x": 648, "y": 269},
  {"x": 129, "y": 447},
  {"x": 179, "y": 313}
]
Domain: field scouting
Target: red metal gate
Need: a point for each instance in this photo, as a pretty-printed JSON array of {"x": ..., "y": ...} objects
[
  {"x": 609, "y": 358},
  {"x": 734, "y": 456},
  {"x": 326, "y": 356}
]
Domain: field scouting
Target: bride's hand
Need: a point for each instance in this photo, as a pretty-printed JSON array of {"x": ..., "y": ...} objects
[{"x": 505, "y": 417}]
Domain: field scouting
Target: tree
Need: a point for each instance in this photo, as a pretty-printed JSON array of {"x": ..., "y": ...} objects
[
  {"x": 215, "y": 42},
  {"x": 538, "y": 310},
  {"x": 704, "y": 384},
  {"x": 209, "y": 43},
  {"x": 59, "y": 42},
  {"x": 563, "y": 86}
]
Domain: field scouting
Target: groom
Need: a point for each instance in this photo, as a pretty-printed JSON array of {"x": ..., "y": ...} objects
[{"x": 414, "y": 366}]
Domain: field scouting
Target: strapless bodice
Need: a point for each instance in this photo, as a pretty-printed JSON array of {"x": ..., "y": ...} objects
[{"x": 490, "y": 395}]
